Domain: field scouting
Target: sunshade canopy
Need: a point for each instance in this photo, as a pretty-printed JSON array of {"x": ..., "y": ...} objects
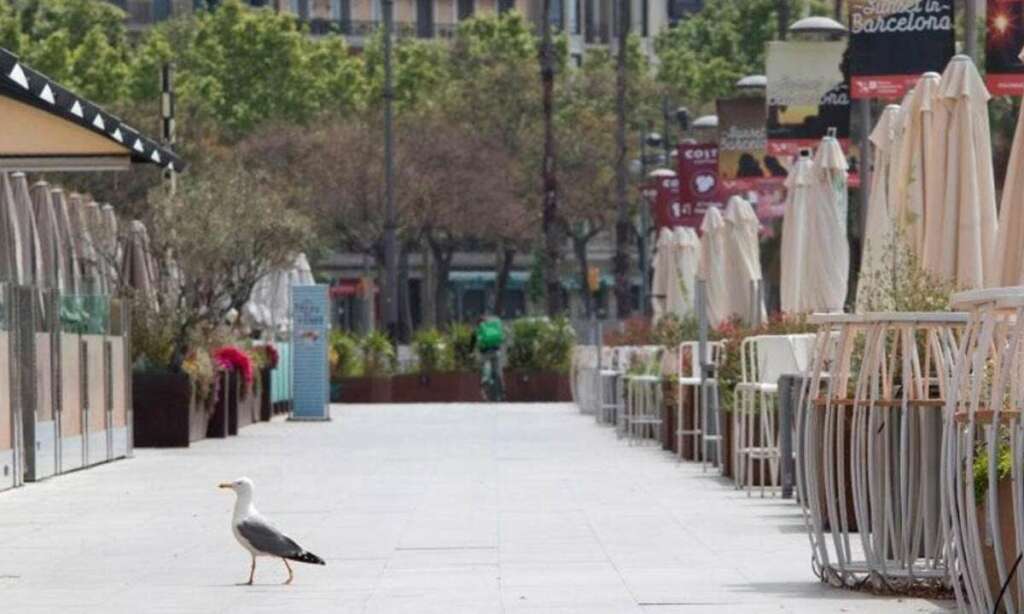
[{"x": 45, "y": 127}]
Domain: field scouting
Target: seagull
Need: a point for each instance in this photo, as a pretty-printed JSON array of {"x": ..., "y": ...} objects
[{"x": 260, "y": 537}]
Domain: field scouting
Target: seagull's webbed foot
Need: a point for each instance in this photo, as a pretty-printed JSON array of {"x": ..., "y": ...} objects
[{"x": 291, "y": 576}]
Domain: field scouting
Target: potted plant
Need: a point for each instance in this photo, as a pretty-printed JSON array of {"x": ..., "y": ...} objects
[
  {"x": 539, "y": 357},
  {"x": 378, "y": 362},
  {"x": 1003, "y": 499},
  {"x": 236, "y": 371}
]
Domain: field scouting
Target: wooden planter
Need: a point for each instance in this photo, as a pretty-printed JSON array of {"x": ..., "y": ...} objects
[
  {"x": 436, "y": 388},
  {"x": 365, "y": 389},
  {"x": 248, "y": 402},
  {"x": 166, "y": 413},
  {"x": 1006, "y": 534},
  {"x": 224, "y": 419},
  {"x": 266, "y": 393},
  {"x": 537, "y": 387}
]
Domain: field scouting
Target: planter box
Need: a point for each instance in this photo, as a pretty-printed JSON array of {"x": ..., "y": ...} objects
[
  {"x": 537, "y": 387},
  {"x": 1006, "y": 534},
  {"x": 224, "y": 419},
  {"x": 248, "y": 402},
  {"x": 266, "y": 392},
  {"x": 365, "y": 389},
  {"x": 166, "y": 413},
  {"x": 436, "y": 388}
]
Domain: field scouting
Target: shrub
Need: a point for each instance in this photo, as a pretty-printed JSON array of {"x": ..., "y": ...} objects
[
  {"x": 378, "y": 355},
  {"x": 344, "y": 355},
  {"x": 522, "y": 350},
  {"x": 554, "y": 345},
  {"x": 432, "y": 351},
  {"x": 635, "y": 331},
  {"x": 460, "y": 339}
]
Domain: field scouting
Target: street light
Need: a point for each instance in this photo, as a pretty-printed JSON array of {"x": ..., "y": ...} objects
[{"x": 818, "y": 26}]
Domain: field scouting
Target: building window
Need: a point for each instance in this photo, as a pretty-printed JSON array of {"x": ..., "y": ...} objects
[
  {"x": 505, "y": 6},
  {"x": 425, "y": 18},
  {"x": 576, "y": 21},
  {"x": 644, "y": 24},
  {"x": 465, "y": 9},
  {"x": 557, "y": 15}
]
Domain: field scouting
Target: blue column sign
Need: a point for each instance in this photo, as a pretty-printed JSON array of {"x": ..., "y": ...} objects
[{"x": 310, "y": 385}]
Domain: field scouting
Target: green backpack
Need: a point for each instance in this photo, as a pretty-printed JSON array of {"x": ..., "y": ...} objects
[{"x": 490, "y": 335}]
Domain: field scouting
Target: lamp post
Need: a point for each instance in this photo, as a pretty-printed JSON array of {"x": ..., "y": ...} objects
[
  {"x": 639, "y": 170},
  {"x": 390, "y": 215}
]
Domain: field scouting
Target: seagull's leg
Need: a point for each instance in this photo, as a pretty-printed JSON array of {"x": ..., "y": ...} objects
[
  {"x": 252, "y": 571},
  {"x": 290, "y": 575}
]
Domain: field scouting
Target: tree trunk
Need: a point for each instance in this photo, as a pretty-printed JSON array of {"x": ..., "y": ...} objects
[
  {"x": 782, "y": 18},
  {"x": 505, "y": 258},
  {"x": 550, "y": 219},
  {"x": 579, "y": 245},
  {"x": 428, "y": 298},
  {"x": 404, "y": 304},
  {"x": 443, "y": 262},
  {"x": 623, "y": 226}
]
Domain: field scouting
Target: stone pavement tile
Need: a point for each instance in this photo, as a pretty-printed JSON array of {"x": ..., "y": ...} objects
[
  {"x": 595, "y": 595},
  {"x": 442, "y": 558},
  {"x": 559, "y": 575},
  {"x": 554, "y": 551},
  {"x": 429, "y": 604},
  {"x": 471, "y": 579}
]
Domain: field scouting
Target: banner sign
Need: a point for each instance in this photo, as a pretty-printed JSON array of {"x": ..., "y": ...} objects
[
  {"x": 893, "y": 41},
  {"x": 745, "y": 167},
  {"x": 310, "y": 328},
  {"x": 1004, "y": 38},
  {"x": 697, "y": 186},
  {"x": 807, "y": 95}
]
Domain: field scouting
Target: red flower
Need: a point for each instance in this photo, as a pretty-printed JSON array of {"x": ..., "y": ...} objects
[
  {"x": 230, "y": 358},
  {"x": 272, "y": 355}
]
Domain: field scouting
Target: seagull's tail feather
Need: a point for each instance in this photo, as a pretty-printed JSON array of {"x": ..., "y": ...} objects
[{"x": 307, "y": 557}]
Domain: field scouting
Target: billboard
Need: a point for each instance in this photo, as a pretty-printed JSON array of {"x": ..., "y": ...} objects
[
  {"x": 893, "y": 41},
  {"x": 1004, "y": 38},
  {"x": 807, "y": 95},
  {"x": 310, "y": 329}
]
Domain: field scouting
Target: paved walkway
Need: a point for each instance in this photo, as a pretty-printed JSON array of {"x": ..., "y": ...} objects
[{"x": 416, "y": 509}]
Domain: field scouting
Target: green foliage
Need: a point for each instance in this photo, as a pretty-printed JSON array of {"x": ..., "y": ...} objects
[
  {"x": 464, "y": 358},
  {"x": 344, "y": 355},
  {"x": 1004, "y": 466},
  {"x": 540, "y": 344},
  {"x": 433, "y": 351},
  {"x": 708, "y": 51},
  {"x": 901, "y": 283},
  {"x": 378, "y": 355}
]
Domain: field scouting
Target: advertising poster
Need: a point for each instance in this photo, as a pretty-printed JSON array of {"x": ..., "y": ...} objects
[
  {"x": 745, "y": 167},
  {"x": 697, "y": 186},
  {"x": 310, "y": 328},
  {"x": 807, "y": 95},
  {"x": 893, "y": 41},
  {"x": 1004, "y": 39}
]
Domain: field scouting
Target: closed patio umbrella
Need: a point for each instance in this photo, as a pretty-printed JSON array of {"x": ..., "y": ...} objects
[
  {"x": 72, "y": 271},
  {"x": 665, "y": 279},
  {"x": 878, "y": 226},
  {"x": 794, "y": 237},
  {"x": 51, "y": 249},
  {"x": 713, "y": 268},
  {"x": 100, "y": 244},
  {"x": 743, "y": 253},
  {"x": 136, "y": 271},
  {"x": 31, "y": 254},
  {"x": 687, "y": 251},
  {"x": 10, "y": 239},
  {"x": 967, "y": 230},
  {"x": 1009, "y": 262},
  {"x": 921, "y": 169},
  {"x": 827, "y": 259}
]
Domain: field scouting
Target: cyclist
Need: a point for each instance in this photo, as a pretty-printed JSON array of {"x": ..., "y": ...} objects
[{"x": 488, "y": 339}]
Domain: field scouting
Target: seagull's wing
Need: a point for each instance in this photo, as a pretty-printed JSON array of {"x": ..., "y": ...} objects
[{"x": 265, "y": 538}]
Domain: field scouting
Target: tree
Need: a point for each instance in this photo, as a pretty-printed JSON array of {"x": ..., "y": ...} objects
[
  {"x": 225, "y": 229},
  {"x": 708, "y": 51}
]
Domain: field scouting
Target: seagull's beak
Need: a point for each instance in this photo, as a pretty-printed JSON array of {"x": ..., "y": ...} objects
[{"x": 224, "y": 485}]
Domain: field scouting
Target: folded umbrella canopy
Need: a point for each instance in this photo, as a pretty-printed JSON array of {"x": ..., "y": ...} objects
[
  {"x": 878, "y": 229},
  {"x": 1009, "y": 262},
  {"x": 30, "y": 253},
  {"x": 743, "y": 260},
  {"x": 687, "y": 251},
  {"x": 967, "y": 229},
  {"x": 72, "y": 281},
  {"x": 100, "y": 245},
  {"x": 91, "y": 282},
  {"x": 794, "y": 238},
  {"x": 665, "y": 274},
  {"x": 713, "y": 268},
  {"x": 51, "y": 249},
  {"x": 10, "y": 236},
  {"x": 136, "y": 265},
  {"x": 917, "y": 161},
  {"x": 827, "y": 261}
]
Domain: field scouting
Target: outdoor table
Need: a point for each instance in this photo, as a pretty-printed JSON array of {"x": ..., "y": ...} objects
[{"x": 869, "y": 443}]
